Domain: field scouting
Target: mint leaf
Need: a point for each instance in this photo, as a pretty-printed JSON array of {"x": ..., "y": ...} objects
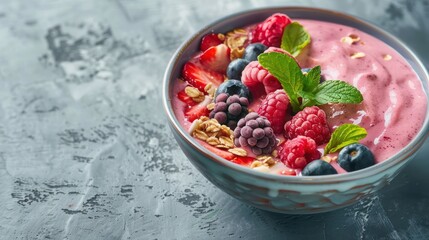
[
  {"x": 294, "y": 38},
  {"x": 344, "y": 135},
  {"x": 312, "y": 79},
  {"x": 287, "y": 71},
  {"x": 336, "y": 91}
]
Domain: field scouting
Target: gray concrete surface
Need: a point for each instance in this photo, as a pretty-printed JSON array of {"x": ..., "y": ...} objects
[{"x": 84, "y": 148}]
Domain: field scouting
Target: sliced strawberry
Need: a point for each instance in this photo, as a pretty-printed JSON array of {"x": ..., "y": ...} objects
[
  {"x": 200, "y": 77},
  {"x": 216, "y": 58},
  {"x": 198, "y": 110},
  {"x": 243, "y": 160},
  {"x": 288, "y": 172},
  {"x": 182, "y": 96},
  {"x": 210, "y": 40},
  {"x": 221, "y": 153}
]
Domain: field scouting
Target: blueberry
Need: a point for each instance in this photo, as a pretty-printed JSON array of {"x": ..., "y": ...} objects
[
  {"x": 318, "y": 167},
  {"x": 232, "y": 87},
  {"x": 235, "y": 68},
  {"x": 355, "y": 157},
  {"x": 306, "y": 70},
  {"x": 252, "y": 51}
]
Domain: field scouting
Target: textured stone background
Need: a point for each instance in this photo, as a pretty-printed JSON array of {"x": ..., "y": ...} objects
[{"x": 84, "y": 148}]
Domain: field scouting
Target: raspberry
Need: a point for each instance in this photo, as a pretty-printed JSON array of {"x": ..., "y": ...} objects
[
  {"x": 310, "y": 122},
  {"x": 258, "y": 79},
  {"x": 255, "y": 132},
  {"x": 298, "y": 152},
  {"x": 270, "y": 31},
  {"x": 274, "y": 107},
  {"x": 229, "y": 109}
]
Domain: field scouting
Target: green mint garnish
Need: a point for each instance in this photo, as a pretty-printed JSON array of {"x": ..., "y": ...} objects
[
  {"x": 287, "y": 71},
  {"x": 344, "y": 135},
  {"x": 304, "y": 90},
  {"x": 312, "y": 79},
  {"x": 336, "y": 91},
  {"x": 294, "y": 38}
]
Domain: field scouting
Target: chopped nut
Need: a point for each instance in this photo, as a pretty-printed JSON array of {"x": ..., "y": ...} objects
[
  {"x": 222, "y": 146},
  {"x": 213, "y": 141},
  {"x": 225, "y": 131},
  {"x": 213, "y": 128},
  {"x": 211, "y": 106},
  {"x": 236, "y": 53},
  {"x": 347, "y": 40},
  {"x": 274, "y": 153},
  {"x": 199, "y": 98},
  {"x": 210, "y": 89},
  {"x": 329, "y": 159},
  {"x": 238, "y": 151},
  {"x": 226, "y": 141},
  {"x": 357, "y": 55},
  {"x": 204, "y": 118},
  {"x": 256, "y": 164},
  {"x": 235, "y": 40},
  {"x": 221, "y": 36},
  {"x": 213, "y": 133},
  {"x": 350, "y": 39},
  {"x": 387, "y": 57},
  {"x": 192, "y": 92},
  {"x": 200, "y": 135},
  {"x": 269, "y": 161}
]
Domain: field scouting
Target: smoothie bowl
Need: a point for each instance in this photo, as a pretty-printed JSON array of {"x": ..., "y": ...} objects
[{"x": 296, "y": 110}]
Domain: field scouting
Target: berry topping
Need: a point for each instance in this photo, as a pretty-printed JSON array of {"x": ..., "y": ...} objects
[
  {"x": 310, "y": 122},
  {"x": 298, "y": 152},
  {"x": 259, "y": 80},
  {"x": 235, "y": 68},
  {"x": 198, "y": 110},
  {"x": 200, "y": 77},
  {"x": 270, "y": 31},
  {"x": 253, "y": 50},
  {"x": 229, "y": 109},
  {"x": 182, "y": 96},
  {"x": 232, "y": 87},
  {"x": 216, "y": 58},
  {"x": 355, "y": 157},
  {"x": 255, "y": 132},
  {"x": 318, "y": 167},
  {"x": 274, "y": 107},
  {"x": 211, "y": 40}
]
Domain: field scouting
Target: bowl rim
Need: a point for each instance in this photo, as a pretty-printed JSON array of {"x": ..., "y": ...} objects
[{"x": 400, "y": 156}]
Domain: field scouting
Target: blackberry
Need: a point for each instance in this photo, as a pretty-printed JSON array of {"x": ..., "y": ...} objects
[
  {"x": 255, "y": 132},
  {"x": 229, "y": 109}
]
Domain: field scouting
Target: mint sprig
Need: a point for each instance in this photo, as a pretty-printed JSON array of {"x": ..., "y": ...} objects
[
  {"x": 305, "y": 90},
  {"x": 294, "y": 38},
  {"x": 287, "y": 71},
  {"x": 344, "y": 135}
]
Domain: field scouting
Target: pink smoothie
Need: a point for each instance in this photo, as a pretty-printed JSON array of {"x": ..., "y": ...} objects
[{"x": 394, "y": 105}]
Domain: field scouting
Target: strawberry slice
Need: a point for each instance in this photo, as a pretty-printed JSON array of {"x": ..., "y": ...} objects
[
  {"x": 200, "y": 77},
  {"x": 243, "y": 160},
  {"x": 198, "y": 110},
  {"x": 182, "y": 96},
  {"x": 216, "y": 58},
  {"x": 210, "y": 40}
]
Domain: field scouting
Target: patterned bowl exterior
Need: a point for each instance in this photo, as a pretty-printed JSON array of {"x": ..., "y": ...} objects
[{"x": 288, "y": 194}]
